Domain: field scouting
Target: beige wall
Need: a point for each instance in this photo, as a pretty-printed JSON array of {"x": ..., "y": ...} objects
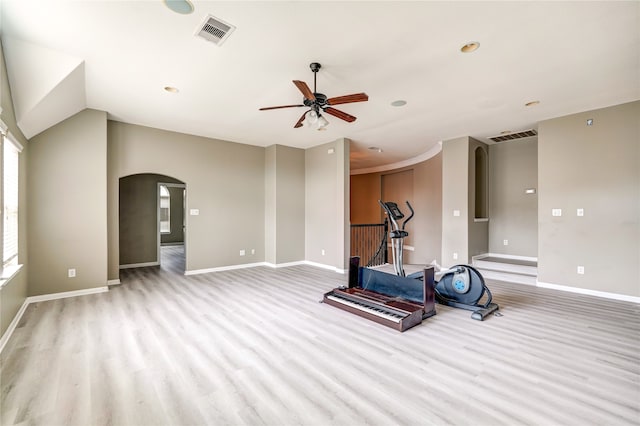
[
  {"x": 327, "y": 204},
  {"x": 67, "y": 203},
  {"x": 225, "y": 182},
  {"x": 14, "y": 292},
  {"x": 455, "y": 197},
  {"x": 595, "y": 168},
  {"x": 514, "y": 214},
  {"x": 284, "y": 204},
  {"x": 425, "y": 198}
]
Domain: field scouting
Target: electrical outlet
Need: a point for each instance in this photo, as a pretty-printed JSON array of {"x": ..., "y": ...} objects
[
  {"x": 455, "y": 256},
  {"x": 323, "y": 252},
  {"x": 253, "y": 251},
  {"x": 456, "y": 213},
  {"x": 72, "y": 273},
  {"x": 580, "y": 212},
  {"x": 241, "y": 252},
  {"x": 505, "y": 242},
  {"x": 556, "y": 212},
  {"x": 581, "y": 270}
]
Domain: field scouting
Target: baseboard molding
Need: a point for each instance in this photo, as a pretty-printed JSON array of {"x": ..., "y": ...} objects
[
  {"x": 43, "y": 298},
  {"x": 284, "y": 265},
  {"x": 323, "y": 266},
  {"x": 113, "y": 282},
  {"x": 139, "y": 265},
  {"x": 597, "y": 293},
  {"x": 224, "y": 268},
  {"x": 7, "y": 334},
  {"x": 268, "y": 264},
  {"x": 65, "y": 294}
]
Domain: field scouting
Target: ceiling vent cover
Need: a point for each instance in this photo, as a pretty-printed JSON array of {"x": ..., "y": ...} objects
[
  {"x": 512, "y": 136},
  {"x": 214, "y": 30}
]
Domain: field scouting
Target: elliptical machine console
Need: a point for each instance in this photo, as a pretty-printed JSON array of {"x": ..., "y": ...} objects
[{"x": 461, "y": 286}]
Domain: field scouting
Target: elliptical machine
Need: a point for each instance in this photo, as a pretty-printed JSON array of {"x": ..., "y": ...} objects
[{"x": 461, "y": 286}]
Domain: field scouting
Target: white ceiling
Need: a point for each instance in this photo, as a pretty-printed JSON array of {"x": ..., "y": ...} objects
[{"x": 571, "y": 56}]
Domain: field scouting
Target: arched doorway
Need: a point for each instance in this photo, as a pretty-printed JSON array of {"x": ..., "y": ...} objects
[{"x": 151, "y": 222}]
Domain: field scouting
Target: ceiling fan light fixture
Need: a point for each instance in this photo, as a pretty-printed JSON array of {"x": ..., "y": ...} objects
[{"x": 322, "y": 122}]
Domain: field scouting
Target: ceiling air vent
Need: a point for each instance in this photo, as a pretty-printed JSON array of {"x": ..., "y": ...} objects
[
  {"x": 512, "y": 136},
  {"x": 214, "y": 30}
]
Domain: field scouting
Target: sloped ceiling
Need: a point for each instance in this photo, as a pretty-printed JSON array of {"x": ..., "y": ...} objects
[{"x": 117, "y": 56}]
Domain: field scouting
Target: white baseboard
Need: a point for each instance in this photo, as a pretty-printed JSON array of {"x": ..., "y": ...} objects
[
  {"x": 113, "y": 282},
  {"x": 139, "y": 265},
  {"x": 65, "y": 294},
  {"x": 7, "y": 334},
  {"x": 597, "y": 293},
  {"x": 224, "y": 268},
  {"x": 42, "y": 298},
  {"x": 284, "y": 265},
  {"x": 323, "y": 266}
]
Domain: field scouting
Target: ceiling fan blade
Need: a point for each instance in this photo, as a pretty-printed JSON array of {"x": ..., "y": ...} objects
[
  {"x": 347, "y": 99},
  {"x": 278, "y": 107},
  {"x": 340, "y": 114},
  {"x": 299, "y": 123},
  {"x": 302, "y": 86}
]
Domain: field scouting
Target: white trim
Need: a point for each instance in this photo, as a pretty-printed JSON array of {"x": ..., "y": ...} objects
[
  {"x": 323, "y": 266},
  {"x": 224, "y": 268},
  {"x": 480, "y": 219},
  {"x": 505, "y": 256},
  {"x": 3, "y": 126},
  {"x": 597, "y": 293},
  {"x": 139, "y": 265},
  {"x": 8, "y": 273},
  {"x": 113, "y": 282},
  {"x": 7, "y": 334},
  {"x": 284, "y": 265},
  {"x": 66, "y": 294},
  {"x": 400, "y": 164}
]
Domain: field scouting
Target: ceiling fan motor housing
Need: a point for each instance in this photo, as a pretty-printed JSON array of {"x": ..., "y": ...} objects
[{"x": 321, "y": 100}]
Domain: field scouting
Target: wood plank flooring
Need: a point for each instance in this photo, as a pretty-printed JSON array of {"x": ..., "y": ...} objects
[{"x": 254, "y": 347}]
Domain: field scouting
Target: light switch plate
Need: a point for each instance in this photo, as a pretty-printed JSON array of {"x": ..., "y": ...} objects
[
  {"x": 194, "y": 212},
  {"x": 556, "y": 212}
]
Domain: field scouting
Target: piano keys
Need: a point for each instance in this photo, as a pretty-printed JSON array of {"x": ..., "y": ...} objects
[
  {"x": 390, "y": 311},
  {"x": 396, "y": 302}
]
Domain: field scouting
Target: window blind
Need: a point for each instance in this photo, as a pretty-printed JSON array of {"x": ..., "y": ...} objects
[{"x": 10, "y": 202}]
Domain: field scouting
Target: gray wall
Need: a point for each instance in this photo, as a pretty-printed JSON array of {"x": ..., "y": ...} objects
[
  {"x": 514, "y": 214},
  {"x": 595, "y": 168},
  {"x": 284, "y": 204},
  {"x": 67, "y": 203},
  {"x": 14, "y": 292},
  {"x": 327, "y": 204},
  {"x": 225, "y": 182},
  {"x": 455, "y": 196}
]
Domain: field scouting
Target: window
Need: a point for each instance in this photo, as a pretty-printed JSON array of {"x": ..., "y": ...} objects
[
  {"x": 165, "y": 207},
  {"x": 10, "y": 162}
]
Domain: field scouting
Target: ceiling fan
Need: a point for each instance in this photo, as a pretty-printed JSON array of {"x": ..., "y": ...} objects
[{"x": 318, "y": 102}]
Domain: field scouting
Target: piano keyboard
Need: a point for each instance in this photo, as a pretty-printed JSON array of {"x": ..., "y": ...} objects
[{"x": 383, "y": 309}]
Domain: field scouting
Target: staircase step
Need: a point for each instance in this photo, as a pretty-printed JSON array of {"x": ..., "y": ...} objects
[{"x": 522, "y": 270}]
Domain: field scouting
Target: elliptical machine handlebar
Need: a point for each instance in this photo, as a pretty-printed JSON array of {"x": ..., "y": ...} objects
[{"x": 397, "y": 234}]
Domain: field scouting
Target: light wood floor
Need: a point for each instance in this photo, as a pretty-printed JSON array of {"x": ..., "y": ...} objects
[{"x": 254, "y": 346}]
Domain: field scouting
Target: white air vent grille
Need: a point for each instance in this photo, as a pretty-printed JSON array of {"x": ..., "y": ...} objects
[
  {"x": 512, "y": 136},
  {"x": 214, "y": 30}
]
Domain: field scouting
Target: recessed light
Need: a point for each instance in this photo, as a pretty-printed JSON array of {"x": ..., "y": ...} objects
[
  {"x": 171, "y": 89},
  {"x": 399, "y": 103},
  {"x": 532, "y": 103},
  {"x": 470, "y": 47},
  {"x": 183, "y": 7}
]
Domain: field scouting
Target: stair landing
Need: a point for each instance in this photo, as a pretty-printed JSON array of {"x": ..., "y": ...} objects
[{"x": 516, "y": 269}]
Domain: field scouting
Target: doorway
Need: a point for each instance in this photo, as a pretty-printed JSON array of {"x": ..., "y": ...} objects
[
  {"x": 140, "y": 238},
  {"x": 171, "y": 225}
]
